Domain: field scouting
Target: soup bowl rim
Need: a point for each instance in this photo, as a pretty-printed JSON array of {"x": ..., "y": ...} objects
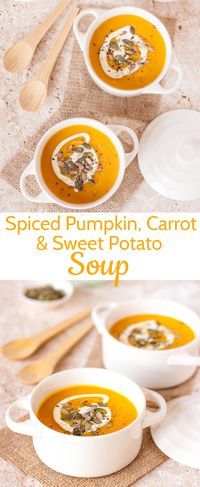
[
  {"x": 130, "y": 348},
  {"x": 138, "y": 419},
  {"x": 106, "y": 130},
  {"x": 144, "y": 14}
]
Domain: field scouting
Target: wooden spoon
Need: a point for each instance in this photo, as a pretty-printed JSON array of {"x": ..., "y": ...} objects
[
  {"x": 34, "y": 92},
  {"x": 35, "y": 372},
  {"x": 24, "y": 347},
  {"x": 19, "y": 56}
]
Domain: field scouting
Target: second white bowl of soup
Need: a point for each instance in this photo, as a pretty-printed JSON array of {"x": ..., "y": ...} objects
[
  {"x": 79, "y": 163},
  {"x": 86, "y": 422},
  {"x": 127, "y": 51},
  {"x": 153, "y": 342}
]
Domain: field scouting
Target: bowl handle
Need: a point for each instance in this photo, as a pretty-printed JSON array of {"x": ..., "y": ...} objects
[
  {"x": 80, "y": 36},
  {"x": 98, "y": 314},
  {"x": 24, "y": 427},
  {"x": 150, "y": 417},
  {"x": 184, "y": 359},
  {"x": 157, "y": 88},
  {"x": 30, "y": 171},
  {"x": 117, "y": 129}
]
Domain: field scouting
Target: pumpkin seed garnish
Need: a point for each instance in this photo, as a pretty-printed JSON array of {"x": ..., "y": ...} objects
[
  {"x": 120, "y": 59},
  {"x": 132, "y": 67},
  {"x": 78, "y": 149},
  {"x": 61, "y": 164},
  {"x": 86, "y": 146},
  {"x": 66, "y": 405},
  {"x": 113, "y": 45},
  {"x": 64, "y": 170},
  {"x": 80, "y": 166},
  {"x": 65, "y": 416},
  {"x": 128, "y": 43},
  {"x": 44, "y": 293},
  {"x": 130, "y": 52},
  {"x": 89, "y": 154},
  {"x": 77, "y": 431},
  {"x": 71, "y": 166},
  {"x": 148, "y": 334},
  {"x": 132, "y": 30},
  {"x": 60, "y": 155},
  {"x": 86, "y": 418},
  {"x": 78, "y": 183}
]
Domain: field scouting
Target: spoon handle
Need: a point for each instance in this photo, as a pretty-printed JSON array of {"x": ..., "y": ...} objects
[
  {"x": 46, "y": 335},
  {"x": 48, "y": 65},
  {"x": 56, "y": 354},
  {"x": 36, "y": 35}
]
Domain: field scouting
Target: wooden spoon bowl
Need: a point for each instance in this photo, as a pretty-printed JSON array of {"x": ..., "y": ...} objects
[
  {"x": 19, "y": 349},
  {"x": 32, "y": 95},
  {"x": 37, "y": 371},
  {"x": 18, "y": 57}
]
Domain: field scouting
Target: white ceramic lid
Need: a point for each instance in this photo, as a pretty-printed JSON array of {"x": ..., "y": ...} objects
[
  {"x": 178, "y": 435},
  {"x": 169, "y": 154}
]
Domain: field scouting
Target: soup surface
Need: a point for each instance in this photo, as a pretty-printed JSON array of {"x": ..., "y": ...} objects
[
  {"x": 86, "y": 410},
  {"x": 127, "y": 52},
  {"x": 152, "y": 332},
  {"x": 79, "y": 164}
]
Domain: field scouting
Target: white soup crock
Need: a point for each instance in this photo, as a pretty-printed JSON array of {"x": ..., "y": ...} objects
[
  {"x": 111, "y": 131},
  {"x": 101, "y": 16},
  {"x": 155, "y": 369},
  {"x": 81, "y": 456}
]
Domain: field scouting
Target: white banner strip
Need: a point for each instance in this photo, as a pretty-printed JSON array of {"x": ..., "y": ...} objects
[{"x": 100, "y": 246}]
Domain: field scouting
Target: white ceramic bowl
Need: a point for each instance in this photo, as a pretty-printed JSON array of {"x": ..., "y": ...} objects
[
  {"x": 34, "y": 167},
  {"x": 171, "y": 61},
  {"x": 87, "y": 456},
  {"x": 154, "y": 369},
  {"x": 65, "y": 286}
]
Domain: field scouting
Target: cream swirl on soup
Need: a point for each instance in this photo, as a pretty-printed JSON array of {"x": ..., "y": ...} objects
[
  {"x": 123, "y": 52},
  {"x": 88, "y": 417},
  {"x": 150, "y": 335},
  {"x": 79, "y": 166}
]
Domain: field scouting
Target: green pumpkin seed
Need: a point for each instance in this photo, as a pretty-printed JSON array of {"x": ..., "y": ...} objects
[
  {"x": 77, "y": 431},
  {"x": 120, "y": 59},
  {"x": 113, "y": 45},
  {"x": 86, "y": 146},
  {"x": 79, "y": 184},
  {"x": 128, "y": 43},
  {"x": 78, "y": 149}
]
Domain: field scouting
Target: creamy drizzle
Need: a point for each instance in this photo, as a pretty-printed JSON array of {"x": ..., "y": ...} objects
[
  {"x": 84, "y": 411},
  {"x": 130, "y": 66},
  {"x": 150, "y": 335},
  {"x": 74, "y": 157}
]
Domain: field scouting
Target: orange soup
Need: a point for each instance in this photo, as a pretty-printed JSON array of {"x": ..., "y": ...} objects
[
  {"x": 152, "y": 332},
  {"x": 127, "y": 52},
  {"x": 86, "y": 410},
  {"x": 79, "y": 164}
]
